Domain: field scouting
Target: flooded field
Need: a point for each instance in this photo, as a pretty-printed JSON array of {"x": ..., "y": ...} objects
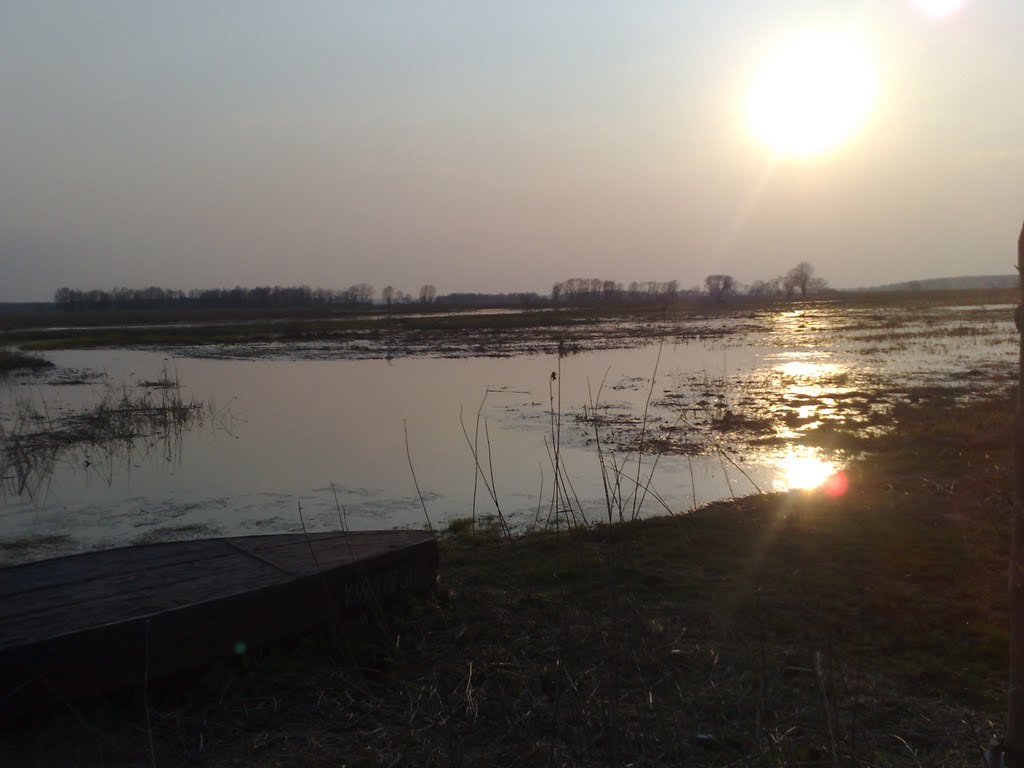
[{"x": 640, "y": 418}]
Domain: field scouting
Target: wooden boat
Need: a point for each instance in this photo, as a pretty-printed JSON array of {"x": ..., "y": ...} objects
[{"x": 91, "y": 623}]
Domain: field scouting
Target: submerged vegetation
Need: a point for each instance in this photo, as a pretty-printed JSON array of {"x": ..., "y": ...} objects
[
  {"x": 15, "y": 360},
  {"x": 885, "y": 321},
  {"x": 124, "y": 419}
]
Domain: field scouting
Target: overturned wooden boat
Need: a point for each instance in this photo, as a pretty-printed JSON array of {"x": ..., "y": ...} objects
[{"x": 91, "y": 623}]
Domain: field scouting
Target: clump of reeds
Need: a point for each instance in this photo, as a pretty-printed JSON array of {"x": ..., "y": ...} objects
[
  {"x": 123, "y": 417},
  {"x": 15, "y": 360},
  {"x": 626, "y": 488}
]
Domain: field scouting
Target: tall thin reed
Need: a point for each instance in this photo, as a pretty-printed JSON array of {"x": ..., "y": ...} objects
[
  {"x": 479, "y": 473},
  {"x": 476, "y": 448},
  {"x": 643, "y": 429},
  {"x": 540, "y": 494},
  {"x": 415, "y": 482},
  {"x": 493, "y": 486},
  {"x": 342, "y": 520},
  {"x": 305, "y": 533},
  {"x": 556, "y": 434},
  {"x": 597, "y": 442},
  {"x": 693, "y": 483}
]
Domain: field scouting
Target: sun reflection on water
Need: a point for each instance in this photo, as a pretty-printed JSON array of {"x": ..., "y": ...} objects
[
  {"x": 809, "y": 472},
  {"x": 803, "y": 370},
  {"x": 808, "y": 394}
]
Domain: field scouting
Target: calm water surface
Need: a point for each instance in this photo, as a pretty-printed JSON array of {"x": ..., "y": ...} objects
[{"x": 279, "y": 433}]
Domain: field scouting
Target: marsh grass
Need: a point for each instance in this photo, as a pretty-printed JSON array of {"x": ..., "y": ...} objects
[
  {"x": 625, "y": 491},
  {"x": 122, "y": 421},
  {"x": 15, "y": 360}
]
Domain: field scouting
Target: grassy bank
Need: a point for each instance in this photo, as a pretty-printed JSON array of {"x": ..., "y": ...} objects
[{"x": 793, "y": 629}]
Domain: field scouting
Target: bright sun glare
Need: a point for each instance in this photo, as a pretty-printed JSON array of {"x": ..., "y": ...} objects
[
  {"x": 811, "y": 94},
  {"x": 939, "y": 9},
  {"x": 809, "y": 472}
]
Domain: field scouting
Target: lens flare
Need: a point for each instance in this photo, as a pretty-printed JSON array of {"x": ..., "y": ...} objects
[{"x": 836, "y": 484}]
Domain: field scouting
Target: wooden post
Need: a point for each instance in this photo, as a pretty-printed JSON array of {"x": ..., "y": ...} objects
[{"x": 1015, "y": 715}]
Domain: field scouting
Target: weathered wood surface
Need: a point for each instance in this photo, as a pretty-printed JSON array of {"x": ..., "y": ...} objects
[{"x": 94, "y": 622}]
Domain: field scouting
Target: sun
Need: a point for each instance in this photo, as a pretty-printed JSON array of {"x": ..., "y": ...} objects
[
  {"x": 811, "y": 94},
  {"x": 939, "y": 9}
]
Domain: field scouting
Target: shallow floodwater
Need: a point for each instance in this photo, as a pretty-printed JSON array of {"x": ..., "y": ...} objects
[{"x": 328, "y": 436}]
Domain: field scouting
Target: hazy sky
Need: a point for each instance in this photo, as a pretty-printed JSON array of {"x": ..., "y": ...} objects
[{"x": 490, "y": 146}]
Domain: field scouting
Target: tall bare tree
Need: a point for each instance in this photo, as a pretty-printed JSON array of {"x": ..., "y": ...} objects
[
  {"x": 720, "y": 287},
  {"x": 428, "y": 293}
]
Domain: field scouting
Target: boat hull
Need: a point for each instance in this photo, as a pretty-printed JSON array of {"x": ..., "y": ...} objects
[{"x": 93, "y": 623}]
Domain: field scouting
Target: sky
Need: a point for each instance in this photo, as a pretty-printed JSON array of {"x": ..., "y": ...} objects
[{"x": 492, "y": 147}]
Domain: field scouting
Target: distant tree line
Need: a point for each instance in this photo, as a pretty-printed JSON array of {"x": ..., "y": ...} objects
[
  {"x": 583, "y": 290},
  {"x": 800, "y": 280},
  {"x": 261, "y": 296},
  {"x": 153, "y": 297},
  {"x": 360, "y": 295},
  {"x": 485, "y": 300}
]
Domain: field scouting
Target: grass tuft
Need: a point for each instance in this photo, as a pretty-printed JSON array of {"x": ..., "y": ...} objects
[
  {"x": 121, "y": 420},
  {"x": 15, "y": 360}
]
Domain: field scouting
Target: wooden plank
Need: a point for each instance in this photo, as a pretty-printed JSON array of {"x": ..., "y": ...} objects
[
  {"x": 72, "y": 568},
  {"x": 189, "y": 610},
  {"x": 150, "y": 588},
  {"x": 97, "y": 607},
  {"x": 248, "y": 563},
  {"x": 76, "y": 568},
  {"x": 294, "y": 555}
]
